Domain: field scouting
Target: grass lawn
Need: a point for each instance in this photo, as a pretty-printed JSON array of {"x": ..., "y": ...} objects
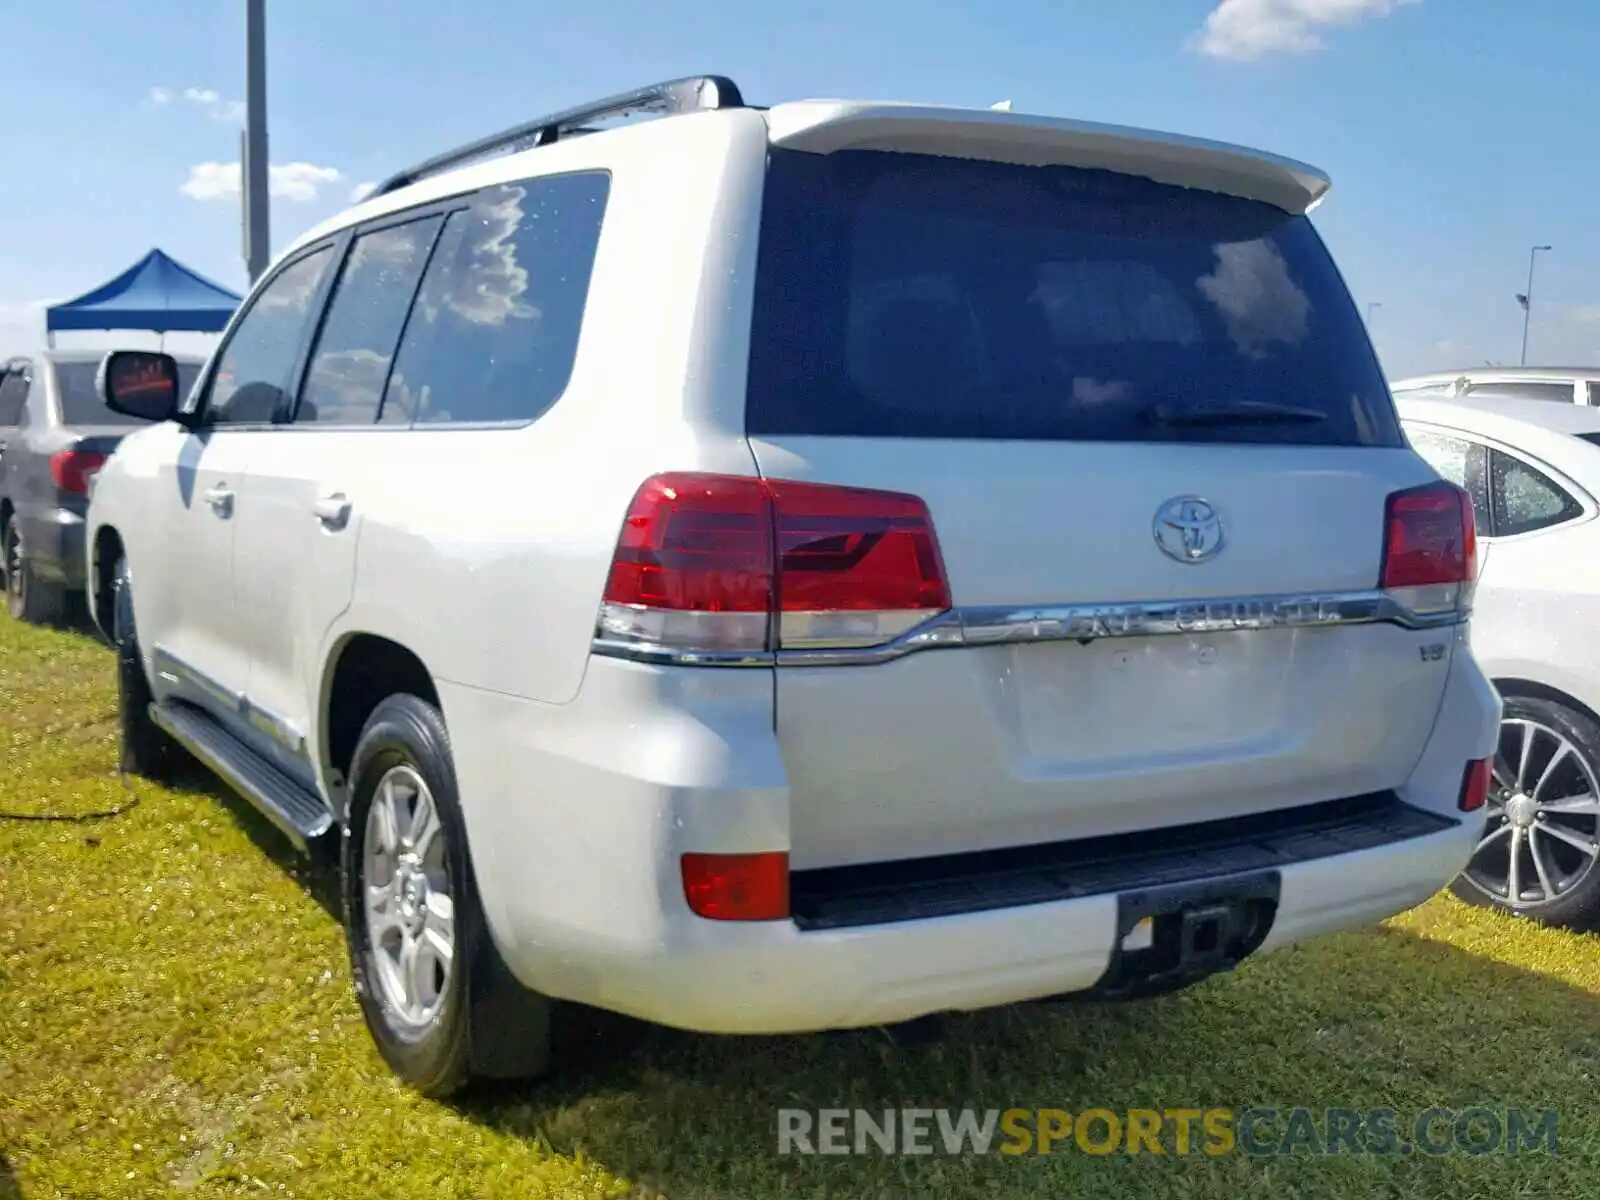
[{"x": 176, "y": 1018}]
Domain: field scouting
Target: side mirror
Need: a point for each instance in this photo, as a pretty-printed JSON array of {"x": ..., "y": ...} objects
[{"x": 140, "y": 383}]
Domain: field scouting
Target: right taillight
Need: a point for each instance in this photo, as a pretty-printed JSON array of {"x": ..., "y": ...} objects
[
  {"x": 1475, "y": 784},
  {"x": 734, "y": 564},
  {"x": 73, "y": 470},
  {"x": 1430, "y": 548}
]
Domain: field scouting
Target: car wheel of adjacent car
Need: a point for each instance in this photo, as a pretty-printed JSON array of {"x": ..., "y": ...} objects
[
  {"x": 437, "y": 997},
  {"x": 27, "y": 597},
  {"x": 1540, "y": 852},
  {"x": 146, "y": 750}
]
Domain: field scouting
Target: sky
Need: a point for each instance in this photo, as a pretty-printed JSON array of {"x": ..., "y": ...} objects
[{"x": 1458, "y": 133}]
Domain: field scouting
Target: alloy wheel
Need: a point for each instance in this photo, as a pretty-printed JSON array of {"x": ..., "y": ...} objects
[
  {"x": 1542, "y": 838},
  {"x": 410, "y": 913}
]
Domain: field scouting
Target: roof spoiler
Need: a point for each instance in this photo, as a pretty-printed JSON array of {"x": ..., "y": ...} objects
[{"x": 825, "y": 126}]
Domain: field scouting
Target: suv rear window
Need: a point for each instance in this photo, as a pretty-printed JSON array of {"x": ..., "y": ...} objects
[
  {"x": 80, "y": 403},
  {"x": 903, "y": 295}
]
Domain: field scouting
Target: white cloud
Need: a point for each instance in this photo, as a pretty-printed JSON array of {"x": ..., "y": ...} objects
[
  {"x": 207, "y": 100},
  {"x": 361, "y": 191},
  {"x": 1247, "y": 29},
  {"x": 297, "y": 181}
]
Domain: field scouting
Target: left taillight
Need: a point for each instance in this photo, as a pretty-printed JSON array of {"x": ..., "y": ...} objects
[
  {"x": 73, "y": 469},
  {"x": 720, "y": 564}
]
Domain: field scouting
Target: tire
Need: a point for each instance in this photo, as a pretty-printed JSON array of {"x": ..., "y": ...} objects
[
  {"x": 1562, "y": 767},
  {"x": 438, "y": 1028},
  {"x": 28, "y": 598},
  {"x": 145, "y": 749}
]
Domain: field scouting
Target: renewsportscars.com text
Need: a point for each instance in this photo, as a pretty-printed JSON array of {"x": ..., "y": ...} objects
[{"x": 1167, "y": 1131}]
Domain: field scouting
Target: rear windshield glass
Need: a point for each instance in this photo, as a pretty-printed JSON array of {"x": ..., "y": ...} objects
[
  {"x": 904, "y": 295},
  {"x": 80, "y": 403}
]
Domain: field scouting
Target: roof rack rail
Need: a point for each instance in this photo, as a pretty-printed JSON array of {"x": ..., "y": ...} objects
[{"x": 691, "y": 94}]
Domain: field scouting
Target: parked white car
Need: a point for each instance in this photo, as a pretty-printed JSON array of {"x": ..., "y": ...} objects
[
  {"x": 803, "y": 568},
  {"x": 1533, "y": 469},
  {"x": 1563, "y": 385}
]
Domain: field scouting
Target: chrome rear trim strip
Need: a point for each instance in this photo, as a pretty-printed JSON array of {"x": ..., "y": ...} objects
[{"x": 996, "y": 625}]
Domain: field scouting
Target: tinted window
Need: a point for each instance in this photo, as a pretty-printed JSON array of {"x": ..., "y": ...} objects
[
  {"x": 907, "y": 296},
  {"x": 345, "y": 382},
  {"x": 1594, "y": 395},
  {"x": 256, "y": 363},
  {"x": 1463, "y": 463},
  {"x": 13, "y": 391},
  {"x": 494, "y": 331},
  {"x": 1561, "y": 393},
  {"x": 80, "y": 402},
  {"x": 1525, "y": 498}
]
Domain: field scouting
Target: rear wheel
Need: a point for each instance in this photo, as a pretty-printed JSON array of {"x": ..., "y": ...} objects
[
  {"x": 1539, "y": 856},
  {"x": 437, "y": 998},
  {"x": 27, "y": 597}
]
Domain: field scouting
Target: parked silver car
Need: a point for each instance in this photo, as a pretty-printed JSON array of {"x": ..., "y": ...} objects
[{"x": 55, "y": 433}]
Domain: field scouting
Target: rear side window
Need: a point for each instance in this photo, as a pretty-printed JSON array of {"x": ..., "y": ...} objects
[
  {"x": 1525, "y": 498},
  {"x": 81, "y": 403},
  {"x": 911, "y": 296},
  {"x": 345, "y": 382},
  {"x": 494, "y": 332},
  {"x": 13, "y": 394}
]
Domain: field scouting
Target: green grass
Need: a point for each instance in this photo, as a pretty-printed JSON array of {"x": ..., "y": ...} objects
[{"x": 176, "y": 1019}]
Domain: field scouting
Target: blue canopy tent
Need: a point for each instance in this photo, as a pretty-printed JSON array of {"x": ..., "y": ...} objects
[{"x": 157, "y": 293}]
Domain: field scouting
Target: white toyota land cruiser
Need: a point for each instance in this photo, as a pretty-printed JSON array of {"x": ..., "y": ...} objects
[{"x": 786, "y": 569}]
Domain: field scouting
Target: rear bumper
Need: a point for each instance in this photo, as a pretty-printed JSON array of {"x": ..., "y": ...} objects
[
  {"x": 577, "y": 815},
  {"x": 54, "y": 541},
  {"x": 775, "y": 979}
]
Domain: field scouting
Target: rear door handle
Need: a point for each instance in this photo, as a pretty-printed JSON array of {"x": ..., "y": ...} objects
[
  {"x": 333, "y": 511},
  {"x": 221, "y": 500}
]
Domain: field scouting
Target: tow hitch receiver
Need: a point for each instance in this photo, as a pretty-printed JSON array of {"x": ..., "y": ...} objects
[{"x": 1171, "y": 936}]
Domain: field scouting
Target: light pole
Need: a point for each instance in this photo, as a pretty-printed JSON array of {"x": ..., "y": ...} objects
[
  {"x": 253, "y": 164},
  {"x": 1526, "y": 300}
]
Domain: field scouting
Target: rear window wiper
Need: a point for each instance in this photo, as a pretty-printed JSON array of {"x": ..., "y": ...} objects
[{"x": 1173, "y": 417}]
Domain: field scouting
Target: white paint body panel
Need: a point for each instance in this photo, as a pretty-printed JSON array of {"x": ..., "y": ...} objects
[
  {"x": 485, "y": 553},
  {"x": 157, "y": 483},
  {"x": 1538, "y": 599}
]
